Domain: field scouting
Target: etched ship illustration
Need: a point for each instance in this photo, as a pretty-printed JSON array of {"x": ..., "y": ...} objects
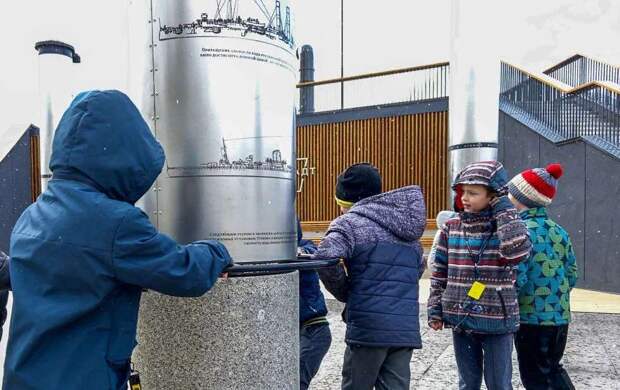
[
  {"x": 273, "y": 163},
  {"x": 272, "y": 27}
]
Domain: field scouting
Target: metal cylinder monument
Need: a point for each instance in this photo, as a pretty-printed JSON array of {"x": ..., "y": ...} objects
[{"x": 217, "y": 86}]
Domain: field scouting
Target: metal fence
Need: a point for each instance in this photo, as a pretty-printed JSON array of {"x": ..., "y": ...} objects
[
  {"x": 373, "y": 89},
  {"x": 578, "y": 70},
  {"x": 592, "y": 109}
]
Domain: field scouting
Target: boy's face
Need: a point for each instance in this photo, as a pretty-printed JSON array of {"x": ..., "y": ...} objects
[
  {"x": 475, "y": 197},
  {"x": 343, "y": 209}
]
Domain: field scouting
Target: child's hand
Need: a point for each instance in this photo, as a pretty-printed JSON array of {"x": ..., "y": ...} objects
[
  {"x": 436, "y": 325},
  {"x": 503, "y": 191}
]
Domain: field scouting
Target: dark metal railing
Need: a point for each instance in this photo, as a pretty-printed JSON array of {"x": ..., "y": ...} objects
[
  {"x": 380, "y": 88},
  {"x": 591, "y": 109},
  {"x": 261, "y": 268},
  {"x": 578, "y": 70}
]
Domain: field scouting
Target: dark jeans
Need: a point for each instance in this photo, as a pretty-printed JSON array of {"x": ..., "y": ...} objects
[
  {"x": 488, "y": 353},
  {"x": 381, "y": 368},
  {"x": 540, "y": 349},
  {"x": 314, "y": 343}
]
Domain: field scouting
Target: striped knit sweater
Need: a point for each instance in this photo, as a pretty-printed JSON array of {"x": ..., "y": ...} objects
[{"x": 454, "y": 269}]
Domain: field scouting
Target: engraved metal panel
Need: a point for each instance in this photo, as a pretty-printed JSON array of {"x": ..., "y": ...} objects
[{"x": 223, "y": 92}]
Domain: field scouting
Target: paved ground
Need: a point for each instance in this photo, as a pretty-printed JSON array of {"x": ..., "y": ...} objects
[{"x": 592, "y": 358}]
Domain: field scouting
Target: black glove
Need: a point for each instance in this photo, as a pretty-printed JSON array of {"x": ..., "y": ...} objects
[{"x": 336, "y": 281}]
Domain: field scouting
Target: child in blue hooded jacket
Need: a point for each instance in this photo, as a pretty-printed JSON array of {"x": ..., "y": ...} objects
[
  {"x": 82, "y": 253},
  {"x": 314, "y": 334}
]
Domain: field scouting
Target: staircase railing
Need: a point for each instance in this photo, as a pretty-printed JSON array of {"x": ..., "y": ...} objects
[
  {"x": 578, "y": 70},
  {"x": 381, "y": 88},
  {"x": 590, "y": 109}
]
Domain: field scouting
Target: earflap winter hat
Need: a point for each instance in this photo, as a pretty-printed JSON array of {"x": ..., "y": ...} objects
[
  {"x": 490, "y": 174},
  {"x": 536, "y": 187},
  {"x": 357, "y": 182}
]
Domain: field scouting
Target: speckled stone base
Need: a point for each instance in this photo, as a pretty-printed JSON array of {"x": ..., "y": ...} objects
[{"x": 243, "y": 334}]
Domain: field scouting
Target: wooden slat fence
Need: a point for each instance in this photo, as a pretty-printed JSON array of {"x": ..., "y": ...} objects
[{"x": 407, "y": 149}]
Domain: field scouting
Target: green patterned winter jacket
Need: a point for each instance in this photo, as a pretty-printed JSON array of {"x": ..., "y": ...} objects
[{"x": 545, "y": 280}]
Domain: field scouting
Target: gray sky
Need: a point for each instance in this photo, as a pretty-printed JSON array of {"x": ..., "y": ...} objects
[
  {"x": 98, "y": 29},
  {"x": 379, "y": 35}
]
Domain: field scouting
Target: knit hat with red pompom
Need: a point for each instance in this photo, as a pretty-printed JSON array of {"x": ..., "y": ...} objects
[{"x": 536, "y": 187}]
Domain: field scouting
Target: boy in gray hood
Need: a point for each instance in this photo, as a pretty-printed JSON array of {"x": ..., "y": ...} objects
[{"x": 377, "y": 236}]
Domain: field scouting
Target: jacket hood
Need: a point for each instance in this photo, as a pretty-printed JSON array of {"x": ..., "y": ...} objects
[
  {"x": 444, "y": 216},
  {"x": 102, "y": 140},
  {"x": 402, "y": 212}
]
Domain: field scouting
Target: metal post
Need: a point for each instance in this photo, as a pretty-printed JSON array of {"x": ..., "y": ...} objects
[
  {"x": 306, "y": 73},
  {"x": 474, "y": 88},
  {"x": 56, "y": 90},
  {"x": 341, "y": 53}
]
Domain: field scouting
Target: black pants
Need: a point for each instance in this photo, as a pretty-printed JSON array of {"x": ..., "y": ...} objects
[
  {"x": 381, "y": 368},
  {"x": 539, "y": 350},
  {"x": 314, "y": 342}
]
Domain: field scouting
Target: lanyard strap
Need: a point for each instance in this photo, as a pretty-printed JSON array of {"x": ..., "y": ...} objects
[{"x": 477, "y": 257}]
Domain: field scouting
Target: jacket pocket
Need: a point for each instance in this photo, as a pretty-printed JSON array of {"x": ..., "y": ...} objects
[
  {"x": 118, "y": 372},
  {"x": 504, "y": 307}
]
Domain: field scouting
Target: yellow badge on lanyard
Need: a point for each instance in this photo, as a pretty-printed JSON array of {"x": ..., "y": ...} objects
[{"x": 476, "y": 290}]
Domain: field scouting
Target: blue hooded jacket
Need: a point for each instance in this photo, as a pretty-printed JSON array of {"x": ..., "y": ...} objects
[
  {"x": 311, "y": 299},
  {"x": 82, "y": 253}
]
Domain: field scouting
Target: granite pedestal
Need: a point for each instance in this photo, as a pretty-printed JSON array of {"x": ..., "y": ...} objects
[{"x": 243, "y": 334}]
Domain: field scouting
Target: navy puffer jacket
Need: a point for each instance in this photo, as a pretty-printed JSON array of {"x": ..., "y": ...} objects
[{"x": 378, "y": 238}]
